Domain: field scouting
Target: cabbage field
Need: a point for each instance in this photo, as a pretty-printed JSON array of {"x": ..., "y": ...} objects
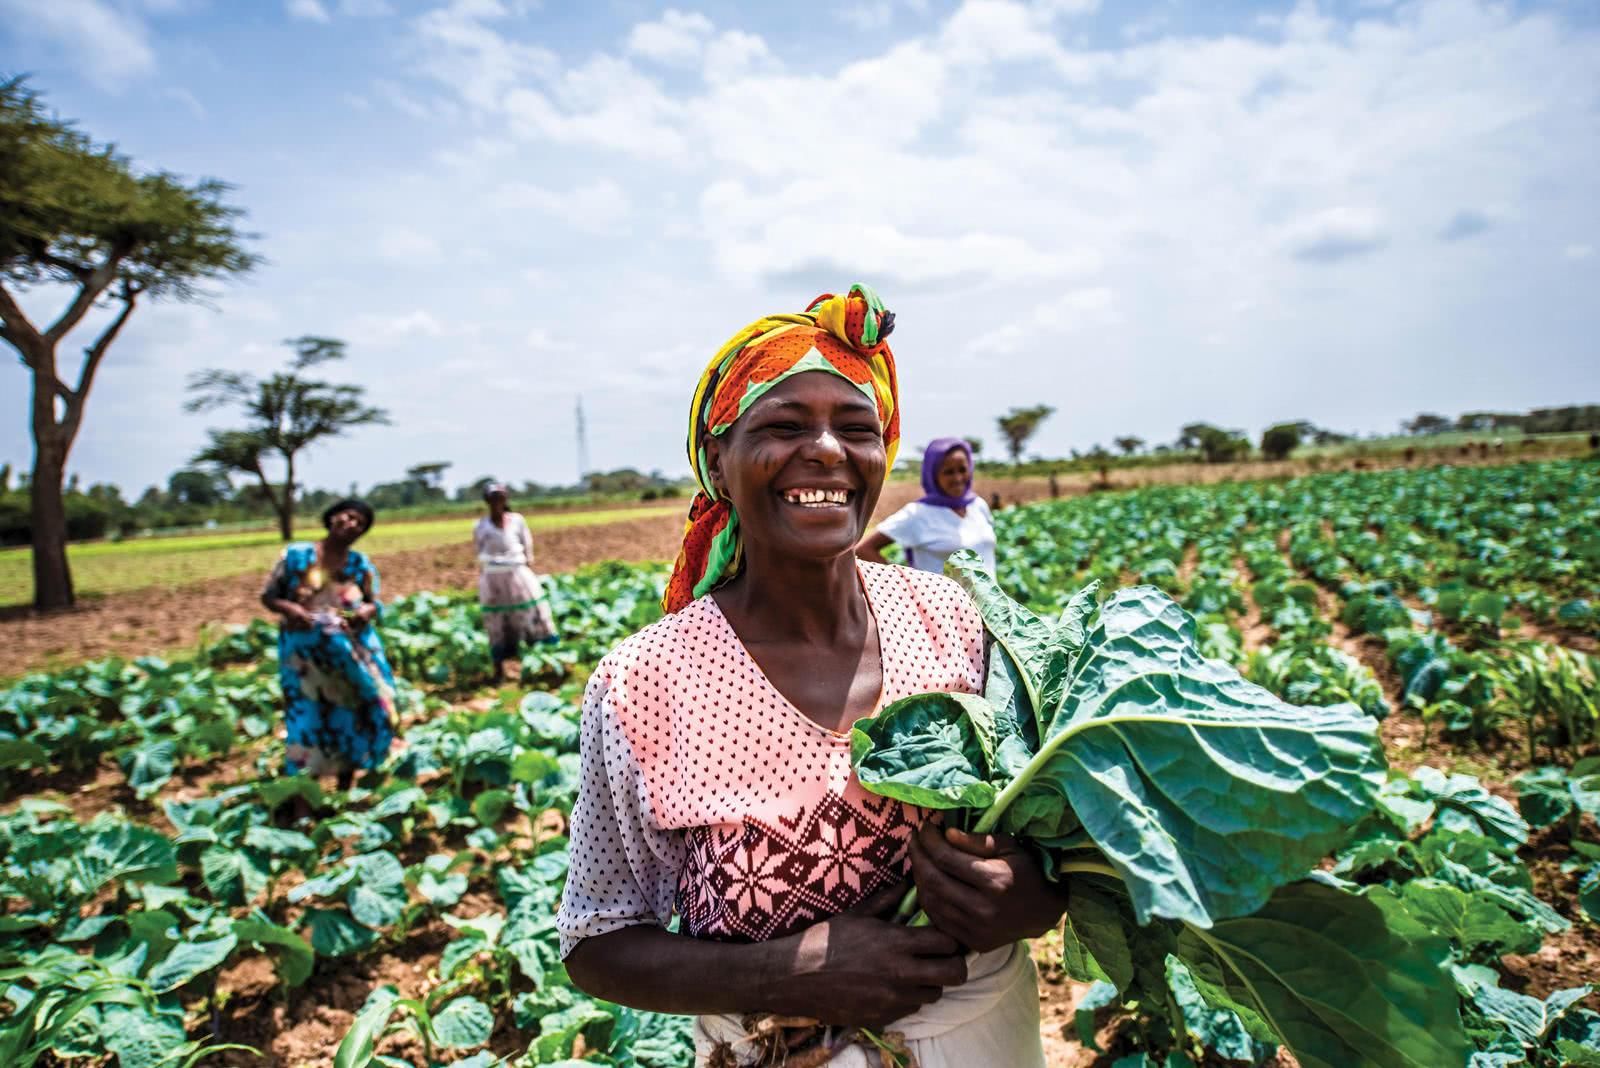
[{"x": 166, "y": 899}]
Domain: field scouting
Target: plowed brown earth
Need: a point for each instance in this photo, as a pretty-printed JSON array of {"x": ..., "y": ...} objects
[{"x": 157, "y": 620}]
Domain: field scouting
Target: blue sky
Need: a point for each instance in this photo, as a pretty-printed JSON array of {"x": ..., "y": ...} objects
[{"x": 1144, "y": 213}]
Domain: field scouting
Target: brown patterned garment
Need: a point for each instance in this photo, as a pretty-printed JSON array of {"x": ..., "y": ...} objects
[{"x": 706, "y": 792}]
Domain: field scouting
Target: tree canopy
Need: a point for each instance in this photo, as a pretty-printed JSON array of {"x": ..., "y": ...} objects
[
  {"x": 1019, "y": 424},
  {"x": 77, "y": 215},
  {"x": 284, "y": 413}
]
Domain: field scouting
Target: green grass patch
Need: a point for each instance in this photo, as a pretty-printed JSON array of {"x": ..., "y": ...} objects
[{"x": 145, "y": 563}]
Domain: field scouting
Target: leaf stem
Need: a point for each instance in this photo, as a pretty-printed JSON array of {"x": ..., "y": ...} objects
[{"x": 1089, "y": 867}]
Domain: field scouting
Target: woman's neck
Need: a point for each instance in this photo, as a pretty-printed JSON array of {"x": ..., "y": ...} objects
[{"x": 778, "y": 598}]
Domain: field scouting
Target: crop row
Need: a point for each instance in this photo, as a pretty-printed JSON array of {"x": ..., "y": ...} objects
[{"x": 120, "y": 934}]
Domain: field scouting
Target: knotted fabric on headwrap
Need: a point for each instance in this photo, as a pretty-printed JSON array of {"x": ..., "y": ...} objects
[
  {"x": 932, "y": 460},
  {"x": 846, "y": 336}
]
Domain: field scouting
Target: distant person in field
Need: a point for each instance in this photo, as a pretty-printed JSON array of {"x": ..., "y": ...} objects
[
  {"x": 338, "y": 691},
  {"x": 716, "y": 780},
  {"x": 515, "y": 608},
  {"x": 948, "y": 517}
]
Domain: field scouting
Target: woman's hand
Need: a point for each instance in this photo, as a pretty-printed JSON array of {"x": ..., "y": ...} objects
[
  {"x": 983, "y": 890},
  {"x": 859, "y": 970},
  {"x": 295, "y": 617},
  {"x": 363, "y": 614}
]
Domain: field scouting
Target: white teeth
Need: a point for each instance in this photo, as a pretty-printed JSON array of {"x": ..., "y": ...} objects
[{"x": 817, "y": 498}]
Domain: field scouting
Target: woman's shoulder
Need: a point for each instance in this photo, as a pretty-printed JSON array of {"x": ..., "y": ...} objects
[
  {"x": 925, "y": 588},
  {"x": 676, "y": 638}
]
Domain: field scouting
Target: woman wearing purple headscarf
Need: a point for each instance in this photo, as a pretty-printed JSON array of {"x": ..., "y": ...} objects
[{"x": 949, "y": 516}]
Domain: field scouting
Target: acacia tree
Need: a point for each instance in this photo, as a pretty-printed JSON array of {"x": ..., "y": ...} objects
[
  {"x": 1129, "y": 445},
  {"x": 285, "y": 412},
  {"x": 77, "y": 217},
  {"x": 1019, "y": 424}
]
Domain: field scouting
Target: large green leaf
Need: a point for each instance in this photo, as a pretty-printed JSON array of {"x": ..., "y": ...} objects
[
  {"x": 1325, "y": 972},
  {"x": 1471, "y": 921},
  {"x": 379, "y": 895},
  {"x": 1203, "y": 790},
  {"x": 1464, "y": 796},
  {"x": 1041, "y": 651},
  {"x": 188, "y": 961},
  {"x": 149, "y": 766},
  {"x": 279, "y": 842},
  {"x": 143, "y": 1039},
  {"x": 335, "y": 934},
  {"x": 931, "y": 750},
  {"x": 234, "y": 876},
  {"x": 123, "y": 852},
  {"x": 463, "y": 1022}
]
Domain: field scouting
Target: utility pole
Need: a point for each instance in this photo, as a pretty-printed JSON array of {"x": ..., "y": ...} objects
[{"x": 583, "y": 447}]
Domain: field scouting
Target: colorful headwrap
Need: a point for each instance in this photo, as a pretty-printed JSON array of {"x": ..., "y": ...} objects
[
  {"x": 932, "y": 460},
  {"x": 846, "y": 336}
]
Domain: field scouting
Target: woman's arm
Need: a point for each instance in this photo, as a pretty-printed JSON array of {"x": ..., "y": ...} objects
[
  {"x": 872, "y": 546},
  {"x": 273, "y": 599},
  {"x": 853, "y": 970}
]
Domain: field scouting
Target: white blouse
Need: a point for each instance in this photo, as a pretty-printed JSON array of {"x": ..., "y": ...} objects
[
  {"x": 503, "y": 548},
  {"x": 930, "y": 533}
]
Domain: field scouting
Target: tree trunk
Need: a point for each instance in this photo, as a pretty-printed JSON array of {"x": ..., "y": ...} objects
[
  {"x": 286, "y": 513},
  {"x": 52, "y": 577}
]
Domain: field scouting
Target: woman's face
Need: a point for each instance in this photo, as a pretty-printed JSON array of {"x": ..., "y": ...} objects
[
  {"x": 803, "y": 466},
  {"x": 497, "y": 504},
  {"x": 955, "y": 473},
  {"x": 346, "y": 525}
]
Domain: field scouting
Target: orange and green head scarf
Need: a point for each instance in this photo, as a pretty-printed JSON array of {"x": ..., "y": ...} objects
[{"x": 846, "y": 336}]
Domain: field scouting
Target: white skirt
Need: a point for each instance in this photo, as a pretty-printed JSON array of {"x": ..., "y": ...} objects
[{"x": 990, "y": 1021}]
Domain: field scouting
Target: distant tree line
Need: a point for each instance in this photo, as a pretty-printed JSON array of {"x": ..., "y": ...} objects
[
  {"x": 1572, "y": 419},
  {"x": 196, "y": 497}
]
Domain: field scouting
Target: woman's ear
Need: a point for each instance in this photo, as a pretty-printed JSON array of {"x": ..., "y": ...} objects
[{"x": 712, "y": 447}]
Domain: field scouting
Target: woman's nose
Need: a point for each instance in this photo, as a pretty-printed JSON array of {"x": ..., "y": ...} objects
[{"x": 826, "y": 448}]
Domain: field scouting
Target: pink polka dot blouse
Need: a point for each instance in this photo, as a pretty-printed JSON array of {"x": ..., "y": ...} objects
[{"x": 706, "y": 792}]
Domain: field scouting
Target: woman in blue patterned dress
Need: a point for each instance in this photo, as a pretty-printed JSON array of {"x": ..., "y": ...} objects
[{"x": 338, "y": 691}]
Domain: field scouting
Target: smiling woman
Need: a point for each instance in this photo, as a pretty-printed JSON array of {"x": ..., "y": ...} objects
[{"x": 717, "y": 779}]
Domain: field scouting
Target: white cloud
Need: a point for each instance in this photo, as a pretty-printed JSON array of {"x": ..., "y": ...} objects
[
  {"x": 868, "y": 17},
  {"x": 596, "y": 207},
  {"x": 110, "y": 44},
  {"x": 365, "y": 8},
  {"x": 185, "y": 98},
  {"x": 1075, "y": 311},
  {"x": 1578, "y": 252},
  {"x": 540, "y": 340},
  {"x": 1335, "y": 234},
  {"x": 678, "y": 37},
  {"x": 309, "y": 10},
  {"x": 400, "y": 243},
  {"x": 417, "y": 323}
]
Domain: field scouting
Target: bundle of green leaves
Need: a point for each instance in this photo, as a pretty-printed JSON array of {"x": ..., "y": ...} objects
[{"x": 1185, "y": 807}]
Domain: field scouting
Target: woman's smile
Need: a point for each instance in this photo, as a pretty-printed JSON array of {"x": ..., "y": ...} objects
[{"x": 818, "y": 497}]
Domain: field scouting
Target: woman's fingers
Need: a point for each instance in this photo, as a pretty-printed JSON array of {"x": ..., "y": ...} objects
[
  {"x": 987, "y": 846},
  {"x": 881, "y": 903},
  {"x": 976, "y": 871},
  {"x": 940, "y": 892}
]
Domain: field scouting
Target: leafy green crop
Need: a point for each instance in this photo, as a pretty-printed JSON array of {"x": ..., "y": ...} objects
[{"x": 1185, "y": 806}]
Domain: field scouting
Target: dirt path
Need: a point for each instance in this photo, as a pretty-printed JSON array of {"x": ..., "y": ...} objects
[{"x": 151, "y": 621}]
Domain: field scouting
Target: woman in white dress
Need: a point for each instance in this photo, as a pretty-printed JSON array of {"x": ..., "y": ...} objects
[
  {"x": 515, "y": 609},
  {"x": 949, "y": 516}
]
